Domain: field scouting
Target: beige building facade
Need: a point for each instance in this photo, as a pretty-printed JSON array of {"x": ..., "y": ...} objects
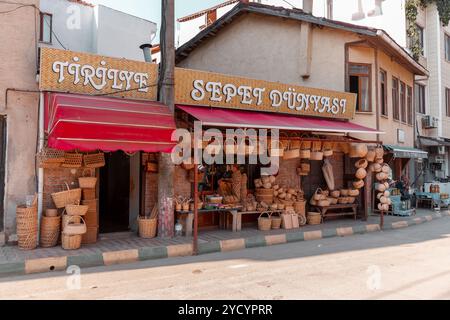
[{"x": 18, "y": 107}]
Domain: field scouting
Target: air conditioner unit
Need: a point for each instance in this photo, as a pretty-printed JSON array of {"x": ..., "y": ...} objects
[
  {"x": 430, "y": 122},
  {"x": 437, "y": 159}
]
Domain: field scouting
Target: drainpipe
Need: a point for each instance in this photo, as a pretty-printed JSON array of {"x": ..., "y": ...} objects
[{"x": 41, "y": 170}]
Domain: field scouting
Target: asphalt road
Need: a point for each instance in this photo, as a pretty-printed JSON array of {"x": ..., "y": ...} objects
[{"x": 412, "y": 263}]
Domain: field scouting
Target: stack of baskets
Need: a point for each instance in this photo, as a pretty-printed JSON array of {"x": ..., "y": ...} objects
[
  {"x": 27, "y": 226},
  {"x": 50, "y": 228},
  {"x": 88, "y": 185},
  {"x": 73, "y": 226}
]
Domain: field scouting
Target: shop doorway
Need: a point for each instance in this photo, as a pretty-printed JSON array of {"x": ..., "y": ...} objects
[{"x": 115, "y": 193}]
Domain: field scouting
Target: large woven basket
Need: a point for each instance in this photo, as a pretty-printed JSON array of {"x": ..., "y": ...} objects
[
  {"x": 300, "y": 208},
  {"x": 94, "y": 160},
  {"x": 71, "y": 242},
  {"x": 69, "y": 196},
  {"x": 50, "y": 231},
  {"x": 147, "y": 227},
  {"x": 276, "y": 222},
  {"x": 265, "y": 223},
  {"x": 27, "y": 227}
]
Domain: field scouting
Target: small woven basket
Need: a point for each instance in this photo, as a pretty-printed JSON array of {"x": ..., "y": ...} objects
[
  {"x": 71, "y": 242},
  {"x": 147, "y": 227},
  {"x": 94, "y": 160},
  {"x": 69, "y": 196},
  {"x": 276, "y": 222},
  {"x": 314, "y": 218},
  {"x": 265, "y": 223},
  {"x": 76, "y": 210}
]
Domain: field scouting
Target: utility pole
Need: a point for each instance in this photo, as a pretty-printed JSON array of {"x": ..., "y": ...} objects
[{"x": 166, "y": 96}]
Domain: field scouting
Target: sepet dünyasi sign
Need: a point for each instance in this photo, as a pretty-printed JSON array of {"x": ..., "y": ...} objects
[
  {"x": 76, "y": 72},
  {"x": 194, "y": 87}
]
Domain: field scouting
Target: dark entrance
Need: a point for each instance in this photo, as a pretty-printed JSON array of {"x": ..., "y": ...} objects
[
  {"x": 115, "y": 193},
  {"x": 2, "y": 168}
]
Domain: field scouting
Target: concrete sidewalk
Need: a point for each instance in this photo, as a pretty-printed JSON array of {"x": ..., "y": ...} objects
[{"x": 129, "y": 248}]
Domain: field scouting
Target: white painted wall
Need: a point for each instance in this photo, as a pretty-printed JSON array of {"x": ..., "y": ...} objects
[{"x": 98, "y": 29}]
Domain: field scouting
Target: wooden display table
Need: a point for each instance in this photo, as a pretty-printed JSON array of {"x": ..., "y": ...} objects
[
  {"x": 325, "y": 211},
  {"x": 236, "y": 222}
]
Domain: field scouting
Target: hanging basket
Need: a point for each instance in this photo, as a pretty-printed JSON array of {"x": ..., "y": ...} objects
[
  {"x": 94, "y": 160},
  {"x": 63, "y": 198},
  {"x": 358, "y": 150},
  {"x": 50, "y": 158},
  {"x": 291, "y": 153},
  {"x": 87, "y": 182},
  {"x": 72, "y": 160}
]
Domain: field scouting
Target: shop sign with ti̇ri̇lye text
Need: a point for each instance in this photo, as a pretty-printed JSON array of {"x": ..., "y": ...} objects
[
  {"x": 217, "y": 90},
  {"x": 74, "y": 72}
]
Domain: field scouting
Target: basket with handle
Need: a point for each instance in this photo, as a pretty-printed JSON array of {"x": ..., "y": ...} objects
[
  {"x": 69, "y": 196},
  {"x": 76, "y": 209},
  {"x": 94, "y": 160},
  {"x": 50, "y": 158},
  {"x": 71, "y": 242},
  {"x": 291, "y": 153},
  {"x": 87, "y": 181},
  {"x": 72, "y": 160},
  {"x": 74, "y": 228},
  {"x": 276, "y": 220},
  {"x": 265, "y": 223},
  {"x": 296, "y": 143}
]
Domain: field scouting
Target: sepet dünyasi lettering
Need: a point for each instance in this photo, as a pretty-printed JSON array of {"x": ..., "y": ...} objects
[
  {"x": 247, "y": 95},
  {"x": 99, "y": 77}
]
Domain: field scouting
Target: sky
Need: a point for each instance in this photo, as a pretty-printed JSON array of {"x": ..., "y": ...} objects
[{"x": 151, "y": 9}]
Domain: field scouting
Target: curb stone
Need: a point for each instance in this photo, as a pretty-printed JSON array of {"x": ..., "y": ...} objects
[{"x": 161, "y": 252}]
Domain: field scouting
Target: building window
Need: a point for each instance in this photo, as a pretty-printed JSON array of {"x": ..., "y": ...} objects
[
  {"x": 409, "y": 103},
  {"x": 419, "y": 98},
  {"x": 403, "y": 101},
  {"x": 46, "y": 25},
  {"x": 447, "y": 96},
  {"x": 395, "y": 103},
  {"x": 420, "y": 34},
  {"x": 360, "y": 84},
  {"x": 447, "y": 47},
  {"x": 383, "y": 93}
]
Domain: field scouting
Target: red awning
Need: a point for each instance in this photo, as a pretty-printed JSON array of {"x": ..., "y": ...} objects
[
  {"x": 86, "y": 123},
  {"x": 215, "y": 117}
]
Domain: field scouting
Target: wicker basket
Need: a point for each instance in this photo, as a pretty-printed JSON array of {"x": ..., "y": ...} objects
[
  {"x": 69, "y": 196},
  {"x": 72, "y": 160},
  {"x": 71, "y": 242},
  {"x": 74, "y": 228},
  {"x": 27, "y": 227},
  {"x": 300, "y": 208},
  {"x": 50, "y": 231},
  {"x": 51, "y": 213},
  {"x": 87, "y": 182},
  {"x": 314, "y": 218},
  {"x": 147, "y": 227},
  {"x": 265, "y": 223},
  {"x": 94, "y": 160},
  {"x": 91, "y": 236},
  {"x": 276, "y": 222},
  {"x": 66, "y": 219},
  {"x": 50, "y": 158},
  {"x": 76, "y": 210}
]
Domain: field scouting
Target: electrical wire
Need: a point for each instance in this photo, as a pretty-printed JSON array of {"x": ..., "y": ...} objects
[{"x": 290, "y": 4}]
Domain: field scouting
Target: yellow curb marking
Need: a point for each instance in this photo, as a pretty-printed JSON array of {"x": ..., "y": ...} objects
[
  {"x": 119, "y": 257},
  {"x": 45, "y": 265},
  {"x": 180, "y": 250},
  {"x": 232, "y": 245},
  {"x": 276, "y": 239},
  {"x": 313, "y": 235}
]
